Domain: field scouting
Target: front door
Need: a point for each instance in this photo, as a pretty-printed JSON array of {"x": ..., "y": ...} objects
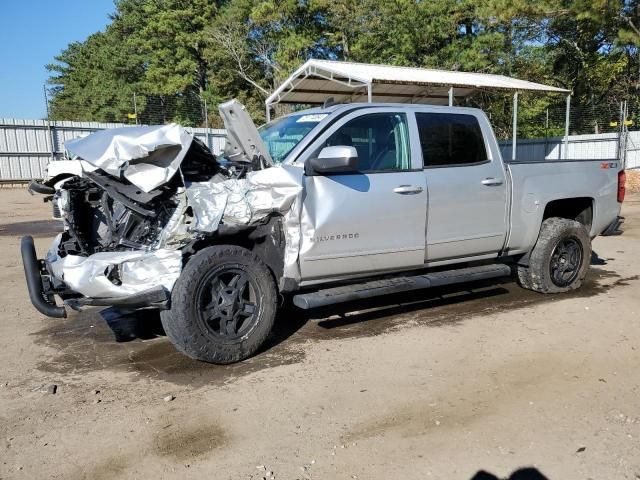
[{"x": 373, "y": 220}]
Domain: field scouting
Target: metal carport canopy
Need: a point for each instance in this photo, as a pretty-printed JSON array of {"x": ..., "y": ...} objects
[{"x": 317, "y": 80}]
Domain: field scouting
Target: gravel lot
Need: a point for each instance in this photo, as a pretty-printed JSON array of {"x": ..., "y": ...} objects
[{"x": 435, "y": 384}]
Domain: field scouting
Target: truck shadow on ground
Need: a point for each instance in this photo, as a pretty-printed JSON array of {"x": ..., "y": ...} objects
[
  {"x": 134, "y": 342},
  {"x": 35, "y": 228},
  {"x": 528, "y": 473}
]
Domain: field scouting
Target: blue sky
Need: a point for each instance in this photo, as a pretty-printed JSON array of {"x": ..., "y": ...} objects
[{"x": 32, "y": 32}]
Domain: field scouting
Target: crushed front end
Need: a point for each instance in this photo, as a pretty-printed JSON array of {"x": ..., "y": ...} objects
[{"x": 135, "y": 204}]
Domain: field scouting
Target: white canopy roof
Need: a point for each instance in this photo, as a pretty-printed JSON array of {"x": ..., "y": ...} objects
[{"x": 317, "y": 80}]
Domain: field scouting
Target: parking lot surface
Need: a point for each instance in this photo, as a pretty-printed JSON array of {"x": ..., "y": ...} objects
[{"x": 434, "y": 384}]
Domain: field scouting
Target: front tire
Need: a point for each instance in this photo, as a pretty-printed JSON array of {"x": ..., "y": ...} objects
[
  {"x": 560, "y": 259},
  {"x": 223, "y": 306}
]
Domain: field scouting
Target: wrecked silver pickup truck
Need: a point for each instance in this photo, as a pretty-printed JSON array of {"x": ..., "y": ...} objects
[{"x": 332, "y": 204}]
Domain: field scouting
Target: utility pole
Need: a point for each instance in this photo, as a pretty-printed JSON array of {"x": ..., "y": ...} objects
[
  {"x": 49, "y": 134},
  {"x": 135, "y": 107}
]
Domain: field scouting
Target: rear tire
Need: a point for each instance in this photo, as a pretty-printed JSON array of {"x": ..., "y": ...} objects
[
  {"x": 223, "y": 306},
  {"x": 560, "y": 259}
]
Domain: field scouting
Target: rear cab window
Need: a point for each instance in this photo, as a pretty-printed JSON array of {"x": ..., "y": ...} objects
[{"x": 450, "y": 140}]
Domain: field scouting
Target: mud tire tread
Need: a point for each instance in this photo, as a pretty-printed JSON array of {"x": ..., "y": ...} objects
[
  {"x": 187, "y": 333},
  {"x": 536, "y": 276}
]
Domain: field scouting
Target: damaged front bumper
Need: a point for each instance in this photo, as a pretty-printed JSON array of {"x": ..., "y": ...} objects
[{"x": 104, "y": 290}]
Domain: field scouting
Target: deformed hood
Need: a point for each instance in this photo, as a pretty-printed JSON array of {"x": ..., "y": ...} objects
[
  {"x": 146, "y": 156},
  {"x": 243, "y": 143}
]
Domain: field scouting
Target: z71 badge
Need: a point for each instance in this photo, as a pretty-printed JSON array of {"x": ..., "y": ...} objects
[{"x": 608, "y": 165}]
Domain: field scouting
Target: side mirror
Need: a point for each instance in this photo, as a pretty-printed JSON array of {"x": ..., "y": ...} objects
[{"x": 336, "y": 159}]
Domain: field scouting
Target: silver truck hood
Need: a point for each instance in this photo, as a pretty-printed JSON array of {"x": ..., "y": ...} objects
[
  {"x": 244, "y": 143},
  {"x": 146, "y": 156}
]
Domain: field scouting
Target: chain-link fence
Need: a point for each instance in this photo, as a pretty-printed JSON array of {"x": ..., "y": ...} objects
[
  {"x": 602, "y": 129},
  {"x": 131, "y": 108},
  {"x": 631, "y": 132},
  {"x": 544, "y": 116}
]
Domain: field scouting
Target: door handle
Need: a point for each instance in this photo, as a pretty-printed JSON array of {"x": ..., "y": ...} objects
[
  {"x": 491, "y": 182},
  {"x": 407, "y": 190}
]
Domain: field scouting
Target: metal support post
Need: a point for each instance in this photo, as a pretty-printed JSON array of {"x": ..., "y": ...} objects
[
  {"x": 566, "y": 127},
  {"x": 514, "y": 140},
  {"x": 206, "y": 125},
  {"x": 546, "y": 134}
]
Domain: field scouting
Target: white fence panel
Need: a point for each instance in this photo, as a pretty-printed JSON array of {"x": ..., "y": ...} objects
[
  {"x": 603, "y": 146},
  {"x": 27, "y": 146}
]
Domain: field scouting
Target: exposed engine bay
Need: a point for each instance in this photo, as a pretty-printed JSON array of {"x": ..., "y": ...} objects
[
  {"x": 104, "y": 213},
  {"x": 137, "y": 201}
]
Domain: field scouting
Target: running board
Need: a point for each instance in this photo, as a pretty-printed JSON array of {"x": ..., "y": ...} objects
[{"x": 375, "y": 288}]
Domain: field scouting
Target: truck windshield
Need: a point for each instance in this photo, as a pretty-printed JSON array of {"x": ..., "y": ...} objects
[{"x": 281, "y": 135}]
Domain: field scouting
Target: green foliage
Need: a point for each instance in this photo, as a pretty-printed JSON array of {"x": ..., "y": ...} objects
[{"x": 175, "y": 54}]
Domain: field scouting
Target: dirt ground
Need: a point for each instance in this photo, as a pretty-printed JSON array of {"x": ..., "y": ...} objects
[{"x": 435, "y": 384}]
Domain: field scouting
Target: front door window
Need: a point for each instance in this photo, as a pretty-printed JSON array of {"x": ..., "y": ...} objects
[{"x": 381, "y": 139}]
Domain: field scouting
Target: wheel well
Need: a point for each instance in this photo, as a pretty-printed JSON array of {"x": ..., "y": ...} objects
[
  {"x": 579, "y": 209},
  {"x": 266, "y": 240}
]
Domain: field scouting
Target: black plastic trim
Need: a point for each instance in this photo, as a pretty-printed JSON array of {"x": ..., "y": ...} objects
[{"x": 455, "y": 165}]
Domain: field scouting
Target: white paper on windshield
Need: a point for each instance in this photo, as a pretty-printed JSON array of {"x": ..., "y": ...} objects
[{"x": 312, "y": 117}]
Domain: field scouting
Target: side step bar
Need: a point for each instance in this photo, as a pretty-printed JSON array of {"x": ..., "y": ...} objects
[{"x": 375, "y": 288}]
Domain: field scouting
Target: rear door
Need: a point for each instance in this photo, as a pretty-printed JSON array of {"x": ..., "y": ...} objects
[
  {"x": 373, "y": 220},
  {"x": 467, "y": 213}
]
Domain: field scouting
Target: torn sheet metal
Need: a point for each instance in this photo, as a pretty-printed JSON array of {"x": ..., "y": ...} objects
[
  {"x": 244, "y": 201},
  {"x": 116, "y": 274},
  {"x": 177, "y": 231},
  {"x": 208, "y": 201},
  {"x": 248, "y": 201},
  {"x": 146, "y": 156}
]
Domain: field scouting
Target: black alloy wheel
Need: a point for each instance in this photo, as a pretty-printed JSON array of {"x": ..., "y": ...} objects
[
  {"x": 229, "y": 302},
  {"x": 566, "y": 261}
]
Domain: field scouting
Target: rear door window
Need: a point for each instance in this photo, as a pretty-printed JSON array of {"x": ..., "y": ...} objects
[{"x": 449, "y": 140}]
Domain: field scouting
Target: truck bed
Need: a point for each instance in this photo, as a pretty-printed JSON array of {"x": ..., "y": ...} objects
[{"x": 536, "y": 183}]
